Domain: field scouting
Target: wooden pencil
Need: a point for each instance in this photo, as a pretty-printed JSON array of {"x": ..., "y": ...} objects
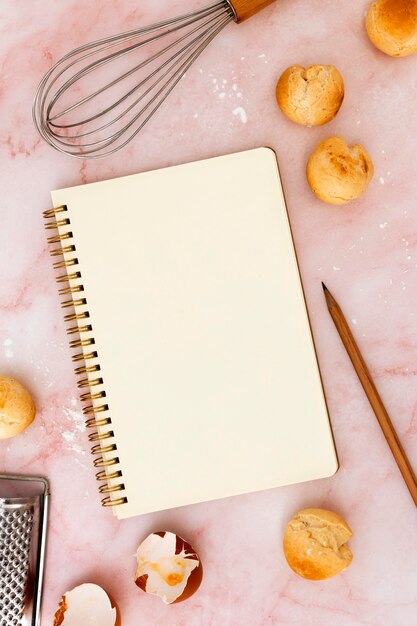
[{"x": 372, "y": 393}]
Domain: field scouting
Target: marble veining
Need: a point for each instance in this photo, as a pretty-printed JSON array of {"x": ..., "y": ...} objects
[{"x": 366, "y": 252}]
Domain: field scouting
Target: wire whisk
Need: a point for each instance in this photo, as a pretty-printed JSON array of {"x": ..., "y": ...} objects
[{"x": 97, "y": 98}]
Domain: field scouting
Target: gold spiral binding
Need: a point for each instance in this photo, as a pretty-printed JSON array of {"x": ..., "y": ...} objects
[
  {"x": 73, "y": 303},
  {"x": 72, "y": 317},
  {"x": 59, "y": 238},
  {"x": 69, "y": 290},
  {"x": 90, "y": 397},
  {"x": 77, "y": 330},
  {"x": 87, "y": 370},
  {"x": 102, "y": 475},
  {"x": 63, "y": 250},
  {"x": 109, "y": 502},
  {"x": 53, "y": 212},
  {"x": 84, "y": 357},
  {"x": 86, "y": 383},
  {"x": 60, "y": 264},
  {"x": 96, "y": 436},
  {"x": 102, "y": 462},
  {"x": 98, "y": 448},
  {"x": 108, "y": 489},
  {"x": 68, "y": 277},
  {"x": 82, "y": 343},
  {"x": 97, "y": 418},
  {"x": 93, "y": 410},
  {"x": 93, "y": 423},
  {"x": 53, "y": 225}
]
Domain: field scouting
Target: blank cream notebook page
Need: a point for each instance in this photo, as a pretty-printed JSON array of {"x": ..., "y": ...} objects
[{"x": 200, "y": 331}]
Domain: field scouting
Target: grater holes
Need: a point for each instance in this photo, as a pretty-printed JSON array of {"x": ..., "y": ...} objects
[{"x": 15, "y": 539}]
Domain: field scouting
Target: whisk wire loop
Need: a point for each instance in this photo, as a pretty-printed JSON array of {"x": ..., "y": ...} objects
[
  {"x": 168, "y": 86},
  {"x": 116, "y": 55},
  {"x": 119, "y": 79},
  {"x": 108, "y": 118}
]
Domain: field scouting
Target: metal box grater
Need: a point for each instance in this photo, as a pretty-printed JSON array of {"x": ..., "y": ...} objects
[{"x": 23, "y": 520}]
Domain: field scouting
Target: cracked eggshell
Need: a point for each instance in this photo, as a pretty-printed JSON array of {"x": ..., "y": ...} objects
[
  {"x": 86, "y": 604},
  {"x": 338, "y": 173},
  {"x": 168, "y": 567}
]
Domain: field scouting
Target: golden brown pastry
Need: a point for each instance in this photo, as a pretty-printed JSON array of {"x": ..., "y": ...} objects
[
  {"x": 338, "y": 174},
  {"x": 310, "y": 96},
  {"x": 392, "y": 26},
  {"x": 17, "y": 409},
  {"x": 314, "y": 544}
]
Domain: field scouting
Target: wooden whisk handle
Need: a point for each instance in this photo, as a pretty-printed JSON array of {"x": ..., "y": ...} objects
[{"x": 244, "y": 9}]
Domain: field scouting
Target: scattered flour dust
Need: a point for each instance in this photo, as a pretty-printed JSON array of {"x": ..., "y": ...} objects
[
  {"x": 241, "y": 113},
  {"x": 69, "y": 437},
  {"x": 77, "y": 426},
  {"x": 8, "y": 352}
]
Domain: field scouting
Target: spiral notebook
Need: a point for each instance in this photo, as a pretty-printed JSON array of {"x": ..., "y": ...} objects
[{"x": 192, "y": 344}]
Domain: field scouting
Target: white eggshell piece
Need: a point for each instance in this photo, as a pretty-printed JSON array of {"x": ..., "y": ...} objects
[
  {"x": 88, "y": 605},
  {"x": 167, "y": 573}
]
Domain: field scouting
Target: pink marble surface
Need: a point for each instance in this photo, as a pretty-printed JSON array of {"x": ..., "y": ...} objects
[{"x": 366, "y": 252}]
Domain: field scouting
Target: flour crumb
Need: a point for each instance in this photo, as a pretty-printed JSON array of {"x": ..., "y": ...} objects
[
  {"x": 240, "y": 111},
  {"x": 76, "y": 418},
  {"x": 383, "y": 225},
  {"x": 382, "y": 180},
  {"x": 73, "y": 446}
]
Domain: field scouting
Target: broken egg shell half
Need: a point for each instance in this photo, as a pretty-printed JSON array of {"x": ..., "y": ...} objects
[
  {"x": 168, "y": 567},
  {"x": 86, "y": 604}
]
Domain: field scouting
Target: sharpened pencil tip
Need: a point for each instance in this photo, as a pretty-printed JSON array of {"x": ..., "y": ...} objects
[{"x": 324, "y": 287}]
